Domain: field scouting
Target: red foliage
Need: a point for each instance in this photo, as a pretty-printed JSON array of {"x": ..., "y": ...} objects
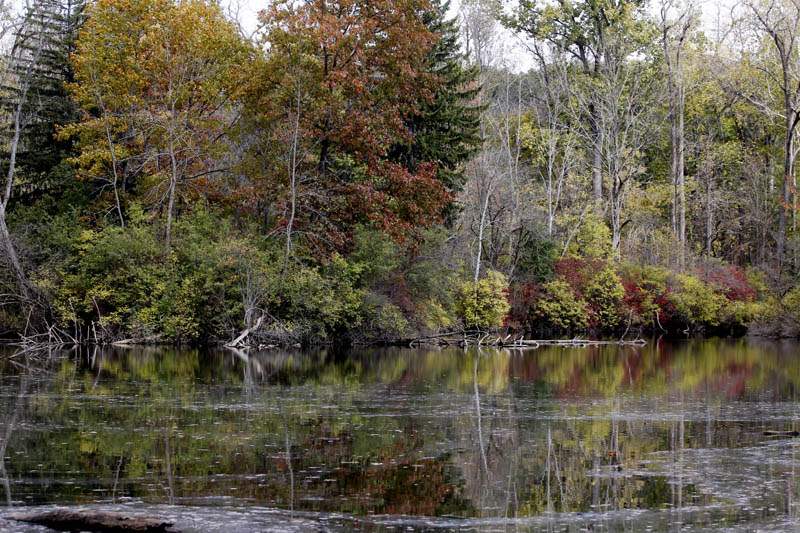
[
  {"x": 634, "y": 297},
  {"x": 666, "y": 309},
  {"x": 523, "y": 297},
  {"x": 731, "y": 281},
  {"x": 578, "y": 272},
  {"x": 637, "y": 293},
  {"x": 368, "y": 72},
  {"x": 400, "y": 295},
  {"x": 395, "y": 200}
]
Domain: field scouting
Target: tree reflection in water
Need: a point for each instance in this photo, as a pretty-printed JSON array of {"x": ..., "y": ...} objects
[{"x": 678, "y": 430}]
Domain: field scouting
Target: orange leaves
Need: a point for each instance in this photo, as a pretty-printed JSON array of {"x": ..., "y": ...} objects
[
  {"x": 368, "y": 66},
  {"x": 155, "y": 80},
  {"x": 397, "y": 201}
]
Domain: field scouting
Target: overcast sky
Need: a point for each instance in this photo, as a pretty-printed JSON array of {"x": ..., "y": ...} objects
[{"x": 715, "y": 13}]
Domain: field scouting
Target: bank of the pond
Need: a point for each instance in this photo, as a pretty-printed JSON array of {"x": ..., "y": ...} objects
[{"x": 219, "y": 286}]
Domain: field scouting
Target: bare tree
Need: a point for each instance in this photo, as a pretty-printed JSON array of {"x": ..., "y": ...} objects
[
  {"x": 779, "y": 20},
  {"x": 624, "y": 101},
  {"x": 479, "y": 27},
  {"x": 557, "y": 150},
  {"x": 22, "y": 63},
  {"x": 677, "y": 20}
]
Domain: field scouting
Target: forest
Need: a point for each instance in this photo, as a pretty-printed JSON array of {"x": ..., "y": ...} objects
[{"x": 384, "y": 171}]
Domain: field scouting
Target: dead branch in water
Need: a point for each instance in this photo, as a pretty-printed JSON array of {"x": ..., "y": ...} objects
[
  {"x": 238, "y": 341},
  {"x": 67, "y": 520},
  {"x": 457, "y": 338}
]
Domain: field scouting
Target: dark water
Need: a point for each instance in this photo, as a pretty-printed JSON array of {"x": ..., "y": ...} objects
[{"x": 663, "y": 438}]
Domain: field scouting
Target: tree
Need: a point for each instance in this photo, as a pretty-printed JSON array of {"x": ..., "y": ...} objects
[
  {"x": 34, "y": 102},
  {"x": 779, "y": 20},
  {"x": 361, "y": 71},
  {"x": 166, "y": 89},
  {"x": 608, "y": 42},
  {"x": 586, "y": 31},
  {"x": 676, "y": 29},
  {"x": 446, "y": 130},
  {"x": 480, "y": 33}
]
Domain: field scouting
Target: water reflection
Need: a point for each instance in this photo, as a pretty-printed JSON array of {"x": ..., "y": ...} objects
[{"x": 696, "y": 433}]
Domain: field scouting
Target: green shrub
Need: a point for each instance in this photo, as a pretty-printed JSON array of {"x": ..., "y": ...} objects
[
  {"x": 604, "y": 294},
  {"x": 696, "y": 302},
  {"x": 537, "y": 257},
  {"x": 484, "y": 304},
  {"x": 434, "y": 316},
  {"x": 374, "y": 255},
  {"x": 561, "y": 309},
  {"x": 115, "y": 277},
  {"x": 593, "y": 237},
  {"x": 384, "y": 320},
  {"x": 790, "y": 308}
]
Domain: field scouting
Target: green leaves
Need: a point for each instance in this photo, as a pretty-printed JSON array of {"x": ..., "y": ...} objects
[{"x": 484, "y": 305}]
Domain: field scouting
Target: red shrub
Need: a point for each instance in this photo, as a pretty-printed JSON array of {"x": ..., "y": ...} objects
[
  {"x": 634, "y": 297},
  {"x": 523, "y": 298},
  {"x": 578, "y": 271},
  {"x": 666, "y": 309},
  {"x": 731, "y": 281}
]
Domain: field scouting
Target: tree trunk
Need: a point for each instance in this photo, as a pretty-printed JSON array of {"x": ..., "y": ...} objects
[
  {"x": 709, "y": 216},
  {"x": 91, "y": 520},
  {"x": 481, "y": 227},
  {"x": 597, "y": 160},
  {"x": 680, "y": 180},
  {"x": 293, "y": 179},
  {"x": 115, "y": 175},
  {"x": 173, "y": 184},
  {"x": 170, "y": 209},
  {"x": 788, "y": 173},
  {"x": 13, "y": 259},
  {"x": 8, "y": 245}
]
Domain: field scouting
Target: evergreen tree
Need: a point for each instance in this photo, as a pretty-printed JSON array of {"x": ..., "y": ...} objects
[
  {"x": 39, "y": 71},
  {"x": 447, "y": 129}
]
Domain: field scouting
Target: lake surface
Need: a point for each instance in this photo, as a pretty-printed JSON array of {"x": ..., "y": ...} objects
[{"x": 663, "y": 438}]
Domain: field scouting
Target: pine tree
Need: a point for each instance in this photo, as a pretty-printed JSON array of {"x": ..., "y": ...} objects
[
  {"x": 447, "y": 129},
  {"x": 39, "y": 71}
]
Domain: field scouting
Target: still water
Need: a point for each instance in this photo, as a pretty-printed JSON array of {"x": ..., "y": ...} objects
[{"x": 689, "y": 436}]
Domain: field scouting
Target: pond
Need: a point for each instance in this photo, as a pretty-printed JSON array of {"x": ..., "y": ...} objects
[{"x": 698, "y": 435}]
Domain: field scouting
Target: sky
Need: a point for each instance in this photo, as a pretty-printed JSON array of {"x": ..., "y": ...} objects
[{"x": 715, "y": 15}]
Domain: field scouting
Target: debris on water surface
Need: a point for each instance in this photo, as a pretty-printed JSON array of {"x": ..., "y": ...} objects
[
  {"x": 68, "y": 520},
  {"x": 782, "y": 433}
]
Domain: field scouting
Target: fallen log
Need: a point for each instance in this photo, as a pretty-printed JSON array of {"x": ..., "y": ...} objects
[
  {"x": 153, "y": 339},
  {"x": 67, "y": 520},
  {"x": 771, "y": 433},
  {"x": 246, "y": 333}
]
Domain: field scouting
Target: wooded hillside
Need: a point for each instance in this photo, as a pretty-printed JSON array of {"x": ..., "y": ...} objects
[{"x": 383, "y": 170}]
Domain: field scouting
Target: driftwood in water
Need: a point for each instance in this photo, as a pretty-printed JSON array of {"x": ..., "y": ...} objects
[
  {"x": 246, "y": 333},
  {"x": 484, "y": 339},
  {"x": 772, "y": 433},
  {"x": 141, "y": 340},
  {"x": 68, "y": 520}
]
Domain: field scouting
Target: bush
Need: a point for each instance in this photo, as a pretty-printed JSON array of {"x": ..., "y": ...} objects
[
  {"x": 593, "y": 238},
  {"x": 731, "y": 281},
  {"x": 604, "y": 294},
  {"x": 646, "y": 299},
  {"x": 537, "y": 257},
  {"x": 385, "y": 321},
  {"x": 696, "y": 303},
  {"x": 115, "y": 277},
  {"x": 484, "y": 304},
  {"x": 561, "y": 309},
  {"x": 790, "y": 310},
  {"x": 434, "y": 316}
]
